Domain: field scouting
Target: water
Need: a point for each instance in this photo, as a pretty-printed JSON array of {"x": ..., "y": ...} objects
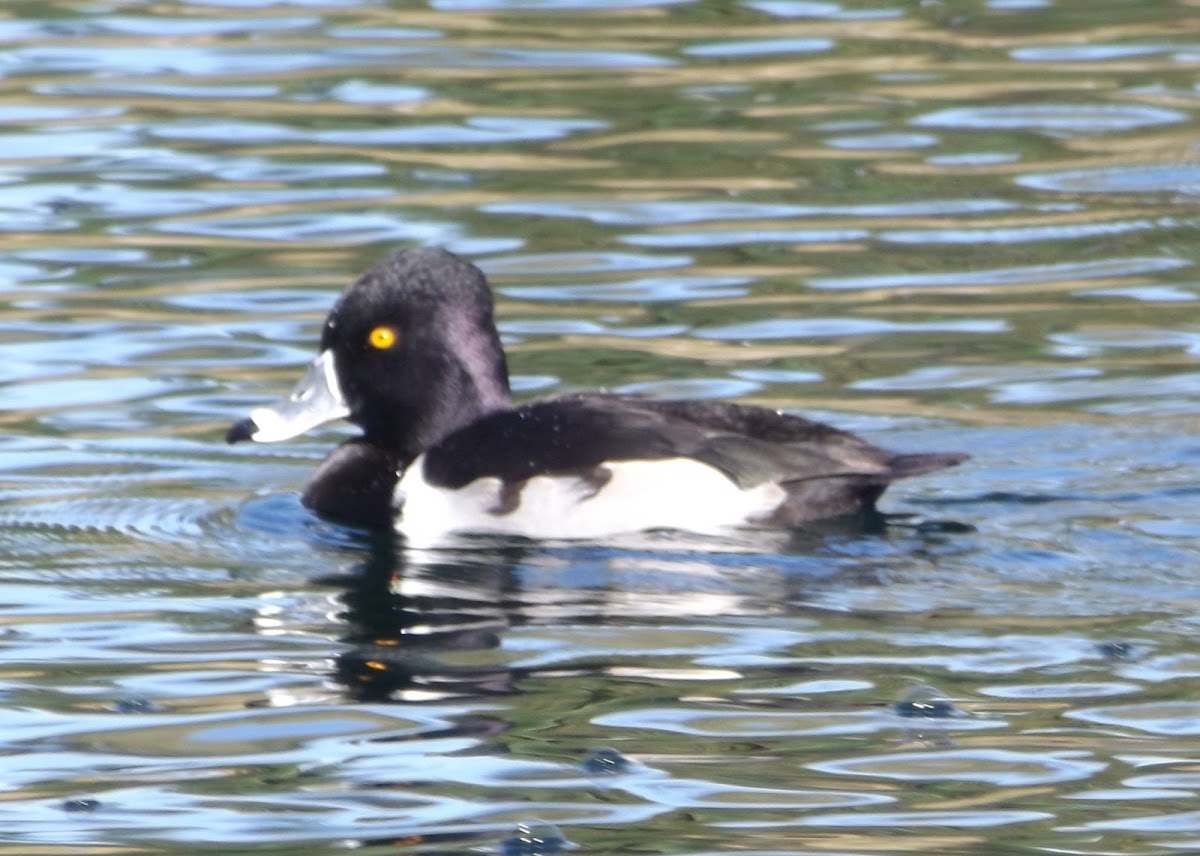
[{"x": 942, "y": 225}]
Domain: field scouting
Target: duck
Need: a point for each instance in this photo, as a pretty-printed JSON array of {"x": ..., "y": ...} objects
[{"x": 410, "y": 354}]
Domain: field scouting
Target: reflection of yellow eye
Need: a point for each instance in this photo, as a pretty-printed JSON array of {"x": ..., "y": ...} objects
[{"x": 382, "y": 338}]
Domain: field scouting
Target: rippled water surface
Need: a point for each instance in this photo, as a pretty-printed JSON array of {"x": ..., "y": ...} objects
[{"x": 955, "y": 225}]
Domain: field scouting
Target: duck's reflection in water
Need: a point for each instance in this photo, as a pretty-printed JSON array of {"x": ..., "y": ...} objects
[
  {"x": 407, "y": 620},
  {"x": 426, "y": 626},
  {"x": 563, "y": 632}
]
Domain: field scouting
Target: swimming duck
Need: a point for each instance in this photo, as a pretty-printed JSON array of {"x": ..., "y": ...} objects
[{"x": 410, "y": 354}]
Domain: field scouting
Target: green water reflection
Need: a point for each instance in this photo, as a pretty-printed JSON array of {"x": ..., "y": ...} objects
[{"x": 944, "y": 225}]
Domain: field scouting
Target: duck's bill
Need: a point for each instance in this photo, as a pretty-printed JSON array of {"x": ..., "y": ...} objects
[{"x": 316, "y": 398}]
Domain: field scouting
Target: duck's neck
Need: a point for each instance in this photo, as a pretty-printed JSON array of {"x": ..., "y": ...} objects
[
  {"x": 437, "y": 409},
  {"x": 476, "y": 396}
]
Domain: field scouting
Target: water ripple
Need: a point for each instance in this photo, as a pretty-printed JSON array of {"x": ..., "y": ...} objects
[
  {"x": 940, "y": 229},
  {"x": 816, "y": 9},
  {"x": 759, "y": 47},
  {"x": 642, "y": 289},
  {"x": 1136, "y": 178},
  {"x": 1173, "y": 718},
  {"x": 969, "y": 819},
  {"x": 1016, "y": 275},
  {"x": 653, "y": 213},
  {"x": 1097, "y": 52},
  {"x": 741, "y": 724},
  {"x": 1001, "y": 767},
  {"x": 800, "y": 328},
  {"x": 1061, "y": 118}
]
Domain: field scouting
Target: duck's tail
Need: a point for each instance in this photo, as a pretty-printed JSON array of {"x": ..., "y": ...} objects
[{"x": 903, "y": 466}]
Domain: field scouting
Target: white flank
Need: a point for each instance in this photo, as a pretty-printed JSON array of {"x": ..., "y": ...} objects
[{"x": 675, "y": 493}]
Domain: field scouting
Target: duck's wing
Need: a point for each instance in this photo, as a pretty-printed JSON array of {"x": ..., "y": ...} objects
[
  {"x": 756, "y": 444},
  {"x": 824, "y": 471},
  {"x": 566, "y": 434},
  {"x": 750, "y": 445}
]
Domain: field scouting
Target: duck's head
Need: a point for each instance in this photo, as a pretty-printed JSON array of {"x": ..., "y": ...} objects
[{"x": 408, "y": 353}]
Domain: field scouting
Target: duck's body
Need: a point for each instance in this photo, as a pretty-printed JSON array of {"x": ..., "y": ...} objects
[{"x": 410, "y": 353}]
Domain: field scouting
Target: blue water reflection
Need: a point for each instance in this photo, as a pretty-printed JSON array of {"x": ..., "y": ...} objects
[{"x": 943, "y": 228}]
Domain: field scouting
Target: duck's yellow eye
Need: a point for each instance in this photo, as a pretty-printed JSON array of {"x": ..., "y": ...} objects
[{"x": 382, "y": 338}]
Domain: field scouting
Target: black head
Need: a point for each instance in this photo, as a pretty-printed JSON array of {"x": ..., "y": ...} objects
[{"x": 415, "y": 349}]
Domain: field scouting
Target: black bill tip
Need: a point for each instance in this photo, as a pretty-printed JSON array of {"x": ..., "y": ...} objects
[{"x": 243, "y": 429}]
